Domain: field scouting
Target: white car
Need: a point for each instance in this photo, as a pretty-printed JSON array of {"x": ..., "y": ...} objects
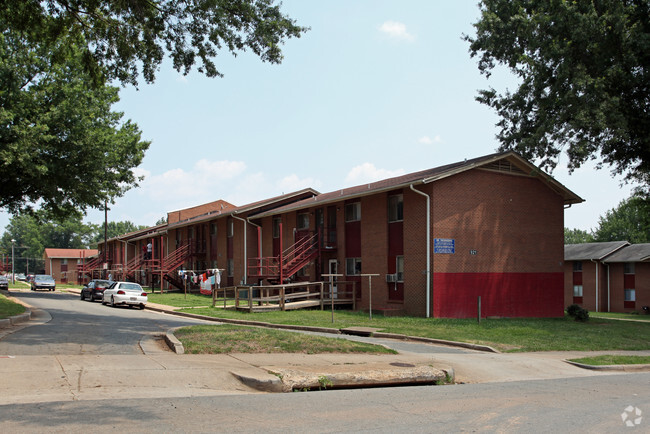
[{"x": 125, "y": 293}]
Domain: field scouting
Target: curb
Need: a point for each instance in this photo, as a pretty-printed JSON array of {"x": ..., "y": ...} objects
[
  {"x": 333, "y": 331},
  {"x": 467, "y": 345},
  {"x": 173, "y": 343},
  {"x": 620, "y": 368},
  {"x": 271, "y": 384}
]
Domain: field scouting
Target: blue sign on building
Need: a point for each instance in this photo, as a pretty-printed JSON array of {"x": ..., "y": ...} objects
[{"x": 444, "y": 245}]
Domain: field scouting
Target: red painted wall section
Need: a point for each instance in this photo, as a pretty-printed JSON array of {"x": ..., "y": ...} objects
[{"x": 502, "y": 294}]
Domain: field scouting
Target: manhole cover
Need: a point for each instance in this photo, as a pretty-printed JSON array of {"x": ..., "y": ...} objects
[{"x": 402, "y": 365}]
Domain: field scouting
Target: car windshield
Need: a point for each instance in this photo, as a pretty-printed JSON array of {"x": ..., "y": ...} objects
[{"x": 42, "y": 278}]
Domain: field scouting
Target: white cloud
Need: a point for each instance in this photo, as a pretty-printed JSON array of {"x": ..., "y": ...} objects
[
  {"x": 367, "y": 172},
  {"x": 294, "y": 183},
  {"x": 426, "y": 140},
  {"x": 396, "y": 30},
  {"x": 182, "y": 188}
]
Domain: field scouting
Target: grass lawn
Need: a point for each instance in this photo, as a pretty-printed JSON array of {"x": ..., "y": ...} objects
[
  {"x": 508, "y": 334},
  {"x": 223, "y": 339},
  {"x": 608, "y": 359},
  {"x": 180, "y": 300},
  {"x": 9, "y": 308},
  {"x": 615, "y": 315}
]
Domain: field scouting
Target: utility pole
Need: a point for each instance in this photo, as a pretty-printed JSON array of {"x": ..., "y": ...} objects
[{"x": 13, "y": 269}]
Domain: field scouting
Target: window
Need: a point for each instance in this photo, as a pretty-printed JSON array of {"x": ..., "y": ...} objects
[
  {"x": 304, "y": 271},
  {"x": 303, "y": 221},
  {"x": 395, "y": 208},
  {"x": 577, "y": 290},
  {"x": 353, "y": 212},
  {"x": 628, "y": 268},
  {"x": 399, "y": 268},
  {"x": 577, "y": 266},
  {"x": 231, "y": 267},
  {"x": 630, "y": 295},
  {"x": 190, "y": 233},
  {"x": 231, "y": 228},
  {"x": 276, "y": 227},
  {"x": 64, "y": 261},
  {"x": 352, "y": 266},
  {"x": 213, "y": 229}
]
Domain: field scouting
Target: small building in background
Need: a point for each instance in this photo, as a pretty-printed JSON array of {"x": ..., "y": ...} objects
[
  {"x": 607, "y": 277},
  {"x": 62, "y": 264}
]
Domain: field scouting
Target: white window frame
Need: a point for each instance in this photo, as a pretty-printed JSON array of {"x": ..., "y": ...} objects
[
  {"x": 395, "y": 208},
  {"x": 351, "y": 264},
  {"x": 399, "y": 268},
  {"x": 354, "y": 213},
  {"x": 276, "y": 221},
  {"x": 629, "y": 294},
  {"x": 231, "y": 228},
  {"x": 302, "y": 221},
  {"x": 577, "y": 290}
]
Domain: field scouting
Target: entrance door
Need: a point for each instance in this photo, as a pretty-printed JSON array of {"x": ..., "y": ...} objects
[{"x": 333, "y": 269}]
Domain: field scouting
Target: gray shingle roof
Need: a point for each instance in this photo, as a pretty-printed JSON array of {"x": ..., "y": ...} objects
[
  {"x": 589, "y": 251},
  {"x": 633, "y": 253}
]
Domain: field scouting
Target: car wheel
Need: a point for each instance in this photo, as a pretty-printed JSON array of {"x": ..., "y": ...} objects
[
  {"x": 112, "y": 301},
  {"x": 141, "y": 306},
  {"x": 103, "y": 302},
  {"x": 82, "y": 296}
]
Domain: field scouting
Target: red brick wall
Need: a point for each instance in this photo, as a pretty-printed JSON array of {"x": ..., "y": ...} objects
[
  {"x": 374, "y": 249},
  {"x": 515, "y": 225}
]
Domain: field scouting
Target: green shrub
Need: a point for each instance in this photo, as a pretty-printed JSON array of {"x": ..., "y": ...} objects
[
  {"x": 582, "y": 315},
  {"x": 572, "y": 310}
]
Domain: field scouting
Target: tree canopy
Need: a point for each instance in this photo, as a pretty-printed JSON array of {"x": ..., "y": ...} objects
[
  {"x": 577, "y": 236},
  {"x": 127, "y": 38},
  {"x": 61, "y": 147},
  {"x": 629, "y": 221},
  {"x": 584, "y": 80}
]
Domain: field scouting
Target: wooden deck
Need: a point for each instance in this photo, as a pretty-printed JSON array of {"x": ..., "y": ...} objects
[{"x": 303, "y": 295}]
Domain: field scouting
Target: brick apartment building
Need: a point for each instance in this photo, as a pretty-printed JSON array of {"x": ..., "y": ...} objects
[
  {"x": 607, "y": 277},
  {"x": 62, "y": 264},
  {"x": 491, "y": 227}
]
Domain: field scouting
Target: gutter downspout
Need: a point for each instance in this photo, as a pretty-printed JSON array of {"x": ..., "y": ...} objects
[
  {"x": 596, "y": 262},
  {"x": 259, "y": 240},
  {"x": 608, "y": 290},
  {"x": 245, "y": 247},
  {"x": 428, "y": 248}
]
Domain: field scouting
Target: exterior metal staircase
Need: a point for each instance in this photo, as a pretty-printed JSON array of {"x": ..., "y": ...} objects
[{"x": 282, "y": 267}]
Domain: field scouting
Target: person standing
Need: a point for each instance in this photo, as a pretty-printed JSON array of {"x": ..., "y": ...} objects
[{"x": 149, "y": 249}]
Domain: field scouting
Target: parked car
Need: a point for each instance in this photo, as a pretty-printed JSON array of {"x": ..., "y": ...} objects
[
  {"x": 94, "y": 290},
  {"x": 21, "y": 277},
  {"x": 125, "y": 293},
  {"x": 43, "y": 281},
  {"x": 4, "y": 282}
]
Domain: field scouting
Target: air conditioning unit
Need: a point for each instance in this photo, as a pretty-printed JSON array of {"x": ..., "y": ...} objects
[{"x": 391, "y": 278}]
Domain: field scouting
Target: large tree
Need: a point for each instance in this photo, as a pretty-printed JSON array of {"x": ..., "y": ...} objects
[
  {"x": 127, "y": 37},
  {"x": 61, "y": 147},
  {"x": 584, "y": 80},
  {"x": 629, "y": 221}
]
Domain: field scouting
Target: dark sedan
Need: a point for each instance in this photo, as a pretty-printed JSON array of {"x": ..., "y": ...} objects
[{"x": 94, "y": 290}]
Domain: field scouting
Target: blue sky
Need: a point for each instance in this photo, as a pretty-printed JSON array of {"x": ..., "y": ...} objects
[{"x": 375, "y": 89}]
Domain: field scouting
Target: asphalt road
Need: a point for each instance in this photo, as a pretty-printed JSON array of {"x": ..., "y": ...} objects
[
  {"x": 81, "y": 327},
  {"x": 592, "y": 404},
  {"x": 587, "y": 403}
]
